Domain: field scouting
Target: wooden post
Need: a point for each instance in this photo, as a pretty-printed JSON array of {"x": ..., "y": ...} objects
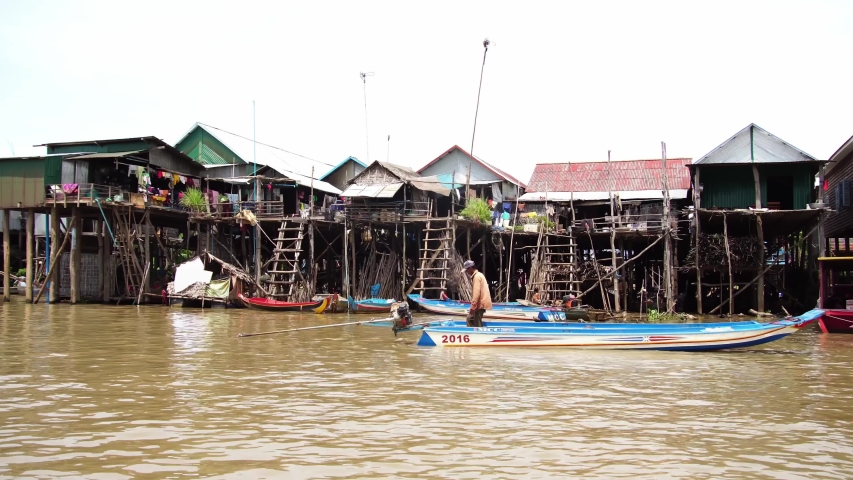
[
  {"x": 353, "y": 270},
  {"x": 7, "y": 257},
  {"x": 312, "y": 281},
  {"x": 697, "y": 204},
  {"x": 31, "y": 224},
  {"x": 345, "y": 269},
  {"x": 243, "y": 245},
  {"x": 100, "y": 238},
  {"x": 759, "y": 287},
  {"x": 728, "y": 261},
  {"x": 467, "y": 183},
  {"x": 107, "y": 256},
  {"x": 74, "y": 261},
  {"x": 616, "y": 306},
  {"x": 405, "y": 269},
  {"x": 667, "y": 246},
  {"x": 258, "y": 233},
  {"x": 500, "y": 266},
  {"x": 511, "y": 240},
  {"x": 53, "y": 292},
  {"x": 146, "y": 284},
  {"x": 468, "y": 241}
]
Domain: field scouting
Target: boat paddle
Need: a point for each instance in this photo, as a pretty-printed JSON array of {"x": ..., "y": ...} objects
[{"x": 317, "y": 327}]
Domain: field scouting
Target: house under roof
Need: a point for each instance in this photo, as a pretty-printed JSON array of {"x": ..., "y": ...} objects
[
  {"x": 240, "y": 150},
  {"x": 754, "y": 144},
  {"x": 630, "y": 180},
  {"x": 456, "y": 159}
]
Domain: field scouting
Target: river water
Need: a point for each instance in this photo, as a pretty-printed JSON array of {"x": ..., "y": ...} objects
[{"x": 106, "y": 392}]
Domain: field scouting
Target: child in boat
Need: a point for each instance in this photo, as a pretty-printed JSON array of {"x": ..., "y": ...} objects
[{"x": 537, "y": 297}]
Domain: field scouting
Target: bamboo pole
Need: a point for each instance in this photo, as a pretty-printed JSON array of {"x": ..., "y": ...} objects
[
  {"x": 53, "y": 288},
  {"x": 53, "y": 266},
  {"x": 624, "y": 264},
  {"x": 667, "y": 225},
  {"x": 316, "y": 327},
  {"x": 616, "y": 303},
  {"x": 697, "y": 231},
  {"x": 604, "y": 300},
  {"x": 728, "y": 261},
  {"x": 511, "y": 239}
]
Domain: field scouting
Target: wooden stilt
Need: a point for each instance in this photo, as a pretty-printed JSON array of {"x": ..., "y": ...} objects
[
  {"x": 107, "y": 264},
  {"x": 697, "y": 203},
  {"x": 667, "y": 227},
  {"x": 243, "y": 230},
  {"x": 759, "y": 287},
  {"x": 148, "y": 228},
  {"x": 100, "y": 238},
  {"x": 54, "y": 246},
  {"x": 728, "y": 261},
  {"x": 7, "y": 257},
  {"x": 31, "y": 224},
  {"x": 75, "y": 260}
]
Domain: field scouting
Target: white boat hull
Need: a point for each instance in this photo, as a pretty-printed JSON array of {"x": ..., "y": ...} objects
[{"x": 712, "y": 338}]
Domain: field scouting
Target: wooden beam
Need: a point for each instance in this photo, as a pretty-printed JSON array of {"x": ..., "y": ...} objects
[
  {"x": 74, "y": 263},
  {"x": 760, "y": 286},
  {"x": 696, "y": 236},
  {"x": 7, "y": 257},
  {"x": 31, "y": 224},
  {"x": 728, "y": 261},
  {"x": 54, "y": 246}
]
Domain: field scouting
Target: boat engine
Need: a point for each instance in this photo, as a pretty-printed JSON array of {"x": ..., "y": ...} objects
[{"x": 402, "y": 317}]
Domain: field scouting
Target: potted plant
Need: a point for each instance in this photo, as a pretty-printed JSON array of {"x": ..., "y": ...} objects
[
  {"x": 193, "y": 200},
  {"x": 477, "y": 210}
]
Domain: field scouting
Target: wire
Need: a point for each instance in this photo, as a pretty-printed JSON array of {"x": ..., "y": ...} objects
[{"x": 267, "y": 145}]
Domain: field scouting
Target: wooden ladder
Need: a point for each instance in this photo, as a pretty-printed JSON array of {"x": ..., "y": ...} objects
[
  {"x": 560, "y": 260},
  {"x": 125, "y": 238},
  {"x": 435, "y": 256},
  {"x": 284, "y": 267}
]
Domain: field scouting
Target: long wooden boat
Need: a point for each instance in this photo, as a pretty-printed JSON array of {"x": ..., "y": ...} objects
[
  {"x": 836, "y": 321},
  {"x": 834, "y": 294},
  {"x": 337, "y": 303},
  {"x": 279, "y": 306},
  {"x": 371, "y": 305},
  {"x": 685, "y": 337},
  {"x": 519, "y": 313}
]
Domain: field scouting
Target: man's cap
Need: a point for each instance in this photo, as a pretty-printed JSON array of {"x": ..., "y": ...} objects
[{"x": 468, "y": 264}]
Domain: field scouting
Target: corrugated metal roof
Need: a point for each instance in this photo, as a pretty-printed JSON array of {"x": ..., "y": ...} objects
[
  {"x": 479, "y": 160},
  {"x": 94, "y": 156},
  {"x": 754, "y": 144},
  {"x": 278, "y": 160},
  {"x": 373, "y": 191},
  {"x": 357, "y": 161},
  {"x": 675, "y": 194},
  {"x": 623, "y": 176}
]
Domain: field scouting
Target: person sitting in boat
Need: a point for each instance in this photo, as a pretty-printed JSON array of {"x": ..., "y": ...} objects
[
  {"x": 537, "y": 297},
  {"x": 571, "y": 301},
  {"x": 481, "y": 299}
]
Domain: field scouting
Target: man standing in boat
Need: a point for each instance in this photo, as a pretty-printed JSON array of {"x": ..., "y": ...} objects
[{"x": 481, "y": 299}]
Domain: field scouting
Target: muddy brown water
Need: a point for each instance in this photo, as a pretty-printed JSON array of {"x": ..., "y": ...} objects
[{"x": 102, "y": 392}]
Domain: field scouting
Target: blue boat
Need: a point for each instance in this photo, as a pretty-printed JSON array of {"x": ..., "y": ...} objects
[
  {"x": 672, "y": 336},
  {"x": 500, "y": 312},
  {"x": 371, "y": 305}
]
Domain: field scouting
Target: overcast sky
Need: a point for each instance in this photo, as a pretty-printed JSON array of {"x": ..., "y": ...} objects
[{"x": 564, "y": 81}]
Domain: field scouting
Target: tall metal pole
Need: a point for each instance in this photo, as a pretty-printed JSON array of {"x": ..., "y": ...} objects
[
  {"x": 257, "y": 195},
  {"x": 364, "y": 76},
  {"x": 479, "y": 89}
]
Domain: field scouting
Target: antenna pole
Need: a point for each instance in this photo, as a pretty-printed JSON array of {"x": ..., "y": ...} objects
[
  {"x": 479, "y": 89},
  {"x": 364, "y": 76}
]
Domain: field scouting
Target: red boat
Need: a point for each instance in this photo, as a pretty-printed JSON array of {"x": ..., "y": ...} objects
[
  {"x": 836, "y": 294},
  {"x": 279, "y": 306}
]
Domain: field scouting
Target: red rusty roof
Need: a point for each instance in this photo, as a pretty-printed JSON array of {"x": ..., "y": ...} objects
[{"x": 630, "y": 175}]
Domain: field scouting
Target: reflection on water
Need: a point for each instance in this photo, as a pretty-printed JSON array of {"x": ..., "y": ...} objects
[{"x": 116, "y": 392}]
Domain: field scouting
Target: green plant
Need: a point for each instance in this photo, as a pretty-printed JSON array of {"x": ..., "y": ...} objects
[
  {"x": 662, "y": 317},
  {"x": 478, "y": 210},
  {"x": 193, "y": 200},
  {"x": 546, "y": 224},
  {"x": 22, "y": 272},
  {"x": 518, "y": 228}
]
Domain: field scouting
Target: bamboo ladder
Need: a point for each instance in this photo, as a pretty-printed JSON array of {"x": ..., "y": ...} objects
[
  {"x": 435, "y": 256},
  {"x": 284, "y": 265},
  {"x": 124, "y": 243},
  {"x": 559, "y": 263}
]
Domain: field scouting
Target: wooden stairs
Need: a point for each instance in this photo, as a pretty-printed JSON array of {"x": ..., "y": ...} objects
[
  {"x": 435, "y": 256},
  {"x": 284, "y": 269}
]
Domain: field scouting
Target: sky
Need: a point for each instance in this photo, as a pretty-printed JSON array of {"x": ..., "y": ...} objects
[{"x": 563, "y": 81}]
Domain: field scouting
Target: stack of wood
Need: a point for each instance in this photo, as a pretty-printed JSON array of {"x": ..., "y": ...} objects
[
  {"x": 456, "y": 279},
  {"x": 381, "y": 268},
  {"x": 745, "y": 252},
  {"x": 587, "y": 271}
]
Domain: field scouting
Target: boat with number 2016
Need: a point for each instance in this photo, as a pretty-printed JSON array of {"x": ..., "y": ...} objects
[
  {"x": 279, "y": 306},
  {"x": 673, "y": 336}
]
